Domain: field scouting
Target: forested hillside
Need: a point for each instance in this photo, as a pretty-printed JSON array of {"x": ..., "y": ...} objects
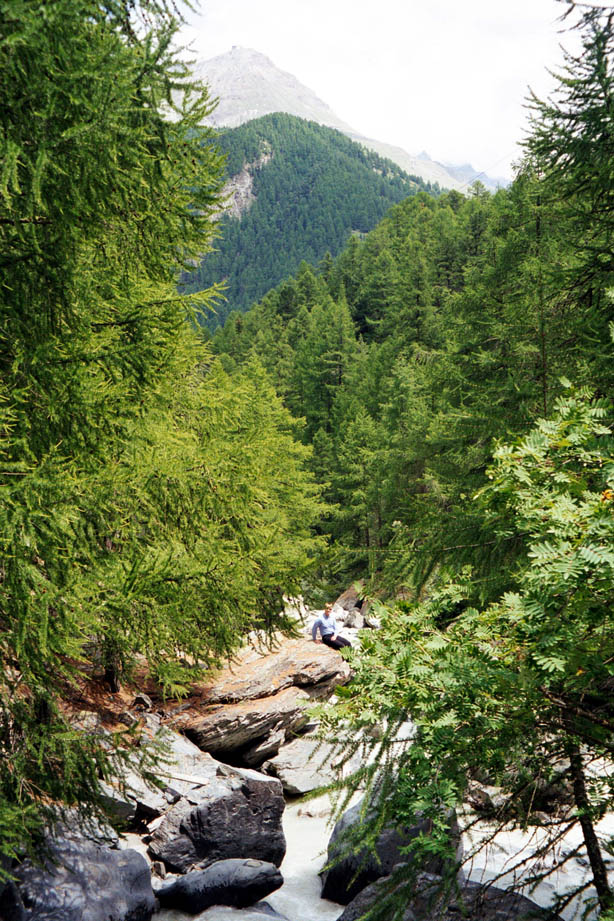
[
  {"x": 445, "y": 328},
  {"x": 429, "y": 411},
  {"x": 312, "y": 188},
  {"x": 455, "y": 373}
]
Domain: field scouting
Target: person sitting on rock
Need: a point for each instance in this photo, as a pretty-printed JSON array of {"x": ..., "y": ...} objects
[{"x": 327, "y": 626}]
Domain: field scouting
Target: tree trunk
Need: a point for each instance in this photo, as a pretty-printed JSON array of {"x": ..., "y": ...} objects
[{"x": 593, "y": 849}]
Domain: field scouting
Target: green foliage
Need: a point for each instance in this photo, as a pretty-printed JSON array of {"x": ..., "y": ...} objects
[
  {"x": 152, "y": 505},
  {"x": 312, "y": 188},
  {"x": 518, "y": 690}
]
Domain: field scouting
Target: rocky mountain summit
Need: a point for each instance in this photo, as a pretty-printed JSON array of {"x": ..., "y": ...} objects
[{"x": 249, "y": 85}]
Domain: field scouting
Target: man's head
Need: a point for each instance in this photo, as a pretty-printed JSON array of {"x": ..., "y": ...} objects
[{"x": 327, "y": 610}]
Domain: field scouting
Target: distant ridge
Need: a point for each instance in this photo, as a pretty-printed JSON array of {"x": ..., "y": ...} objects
[{"x": 249, "y": 85}]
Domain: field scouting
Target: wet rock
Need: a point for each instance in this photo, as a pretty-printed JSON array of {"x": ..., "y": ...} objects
[
  {"x": 80, "y": 881},
  {"x": 472, "y": 900},
  {"x": 227, "y": 882},
  {"x": 238, "y": 814},
  {"x": 263, "y": 908},
  {"x": 354, "y": 871}
]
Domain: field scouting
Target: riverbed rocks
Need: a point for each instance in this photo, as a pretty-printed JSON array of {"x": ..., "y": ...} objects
[
  {"x": 226, "y": 882},
  {"x": 236, "y": 814},
  {"x": 352, "y": 872},
  {"x": 80, "y": 880}
]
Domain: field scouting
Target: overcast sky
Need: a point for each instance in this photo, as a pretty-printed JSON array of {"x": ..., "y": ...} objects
[{"x": 446, "y": 76}]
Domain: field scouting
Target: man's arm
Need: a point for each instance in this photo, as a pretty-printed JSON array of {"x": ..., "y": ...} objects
[{"x": 314, "y": 630}]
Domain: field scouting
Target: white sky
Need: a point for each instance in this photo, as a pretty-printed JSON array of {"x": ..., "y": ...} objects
[{"x": 446, "y": 76}]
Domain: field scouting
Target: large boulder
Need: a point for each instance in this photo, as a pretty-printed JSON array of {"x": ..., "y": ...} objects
[
  {"x": 227, "y": 882},
  {"x": 470, "y": 900},
  {"x": 225, "y": 730},
  {"x": 236, "y": 814},
  {"x": 80, "y": 880},
  {"x": 352, "y": 872},
  {"x": 258, "y": 672}
]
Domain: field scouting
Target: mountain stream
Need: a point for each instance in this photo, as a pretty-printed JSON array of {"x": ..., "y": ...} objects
[{"x": 307, "y": 830}]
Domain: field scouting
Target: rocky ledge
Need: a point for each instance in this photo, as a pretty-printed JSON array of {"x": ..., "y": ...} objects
[{"x": 257, "y": 702}]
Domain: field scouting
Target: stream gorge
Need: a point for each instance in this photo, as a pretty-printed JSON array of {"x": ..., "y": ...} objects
[{"x": 243, "y": 752}]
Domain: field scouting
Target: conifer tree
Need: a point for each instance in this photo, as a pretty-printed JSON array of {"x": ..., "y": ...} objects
[{"x": 151, "y": 504}]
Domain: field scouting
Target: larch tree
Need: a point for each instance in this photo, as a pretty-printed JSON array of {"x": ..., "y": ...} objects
[{"x": 152, "y": 506}]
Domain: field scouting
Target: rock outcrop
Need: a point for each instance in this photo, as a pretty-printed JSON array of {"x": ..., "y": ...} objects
[
  {"x": 260, "y": 672},
  {"x": 247, "y": 711}
]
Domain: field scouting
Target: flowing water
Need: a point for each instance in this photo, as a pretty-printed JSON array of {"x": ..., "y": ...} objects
[{"x": 299, "y": 897}]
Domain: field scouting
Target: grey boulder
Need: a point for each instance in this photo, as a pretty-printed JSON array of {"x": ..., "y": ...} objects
[
  {"x": 80, "y": 881},
  {"x": 236, "y": 814},
  {"x": 353, "y": 871},
  {"x": 227, "y": 882}
]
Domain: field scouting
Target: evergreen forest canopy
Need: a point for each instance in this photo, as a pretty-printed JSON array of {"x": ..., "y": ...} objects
[
  {"x": 454, "y": 370},
  {"x": 154, "y": 508},
  {"x": 312, "y": 188}
]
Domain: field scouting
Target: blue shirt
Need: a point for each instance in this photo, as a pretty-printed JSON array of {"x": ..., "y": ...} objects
[{"x": 326, "y": 625}]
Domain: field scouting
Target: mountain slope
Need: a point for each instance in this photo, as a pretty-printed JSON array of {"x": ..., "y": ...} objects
[
  {"x": 298, "y": 191},
  {"x": 248, "y": 85}
]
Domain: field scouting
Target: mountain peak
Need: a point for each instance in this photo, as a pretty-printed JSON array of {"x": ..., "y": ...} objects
[{"x": 249, "y": 85}]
